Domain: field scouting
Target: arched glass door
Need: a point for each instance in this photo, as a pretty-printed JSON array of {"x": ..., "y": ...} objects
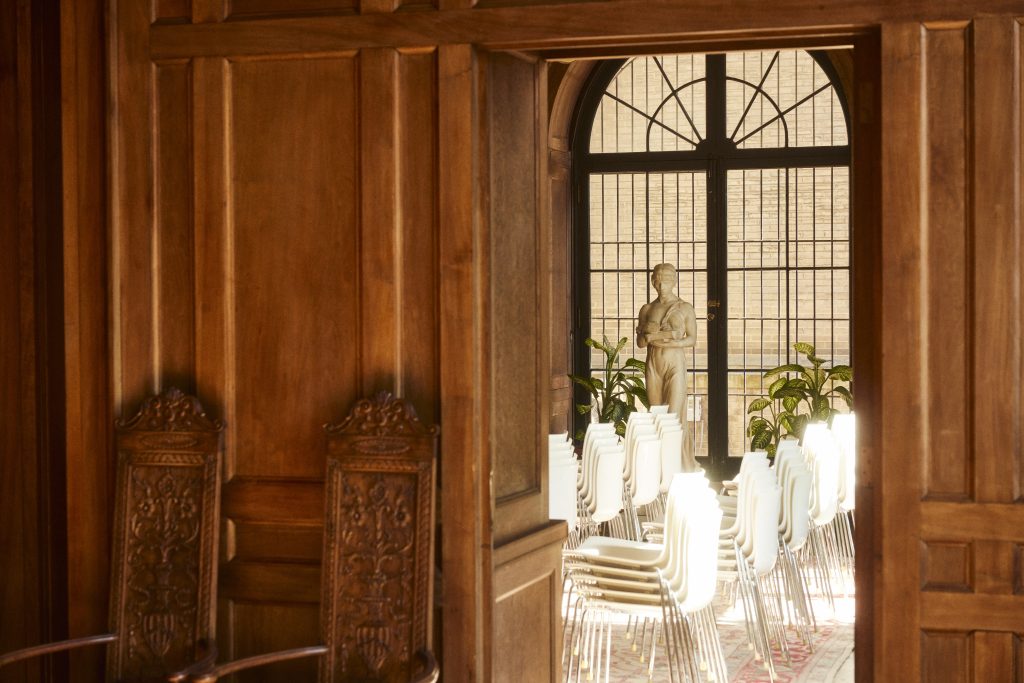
[{"x": 735, "y": 168}]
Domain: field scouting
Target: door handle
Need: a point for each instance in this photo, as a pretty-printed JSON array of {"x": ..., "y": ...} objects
[{"x": 713, "y": 303}]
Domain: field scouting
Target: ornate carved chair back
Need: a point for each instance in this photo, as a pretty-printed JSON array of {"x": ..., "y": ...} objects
[
  {"x": 164, "y": 568},
  {"x": 378, "y": 543}
]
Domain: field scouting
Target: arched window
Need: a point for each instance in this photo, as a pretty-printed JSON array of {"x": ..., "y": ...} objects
[{"x": 735, "y": 168}]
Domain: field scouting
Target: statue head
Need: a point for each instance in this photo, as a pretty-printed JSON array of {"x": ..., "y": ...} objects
[{"x": 663, "y": 278}]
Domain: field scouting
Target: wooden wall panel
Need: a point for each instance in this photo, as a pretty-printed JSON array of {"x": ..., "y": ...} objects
[
  {"x": 173, "y": 258},
  {"x": 945, "y": 63},
  {"x": 262, "y": 633},
  {"x": 465, "y": 375},
  {"x": 90, "y": 408},
  {"x": 968, "y": 235},
  {"x": 527, "y": 610},
  {"x": 419, "y": 362},
  {"x": 997, "y": 287},
  {"x": 238, "y": 9},
  {"x": 20, "y": 587},
  {"x": 172, "y": 10},
  {"x": 946, "y": 566},
  {"x": 293, "y": 205},
  {"x": 945, "y": 657},
  {"x": 515, "y": 279}
]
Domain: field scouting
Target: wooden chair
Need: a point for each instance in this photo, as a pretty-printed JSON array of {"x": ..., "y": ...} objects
[
  {"x": 164, "y": 564},
  {"x": 375, "y": 609}
]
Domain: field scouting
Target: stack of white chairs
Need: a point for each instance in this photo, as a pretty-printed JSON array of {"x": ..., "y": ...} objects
[
  {"x": 600, "y": 480},
  {"x": 563, "y": 475},
  {"x": 822, "y": 456},
  {"x": 670, "y": 434},
  {"x": 748, "y": 553},
  {"x": 668, "y": 586},
  {"x": 844, "y": 432},
  {"x": 794, "y": 525}
]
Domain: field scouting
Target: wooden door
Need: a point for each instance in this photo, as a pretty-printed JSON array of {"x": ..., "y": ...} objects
[{"x": 950, "y": 580}]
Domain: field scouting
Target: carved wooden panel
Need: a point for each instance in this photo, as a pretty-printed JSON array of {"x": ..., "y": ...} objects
[
  {"x": 378, "y": 549},
  {"x": 165, "y": 535}
]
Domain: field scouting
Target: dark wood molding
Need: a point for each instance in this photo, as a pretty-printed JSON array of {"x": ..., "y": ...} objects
[{"x": 587, "y": 24}]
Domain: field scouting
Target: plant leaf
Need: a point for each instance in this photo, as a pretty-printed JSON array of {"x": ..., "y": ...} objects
[
  {"x": 788, "y": 367},
  {"x": 804, "y": 348},
  {"x": 841, "y": 372},
  {"x": 761, "y": 441},
  {"x": 757, "y": 405},
  {"x": 775, "y": 386},
  {"x": 757, "y": 425},
  {"x": 637, "y": 364},
  {"x": 845, "y": 393},
  {"x": 789, "y": 403},
  {"x": 584, "y": 408}
]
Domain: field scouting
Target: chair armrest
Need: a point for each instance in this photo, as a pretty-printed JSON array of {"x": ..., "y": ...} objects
[
  {"x": 207, "y": 661},
  {"x": 50, "y": 648},
  {"x": 431, "y": 672},
  {"x": 215, "y": 673}
]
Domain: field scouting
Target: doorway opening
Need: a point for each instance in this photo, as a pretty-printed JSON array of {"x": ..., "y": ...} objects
[
  {"x": 735, "y": 168},
  {"x": 703, "y": 185}
]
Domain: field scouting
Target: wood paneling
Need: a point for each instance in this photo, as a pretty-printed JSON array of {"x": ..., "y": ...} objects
[
  {"x": 293, "y": 205},
  {"x": 465, "y": 377},
  {"x": 22, "y": 588},
  {"x": 945, "y": 657},
  {"x": 419, "y": 362},
  {"x": 262, "y": 634},
  {"x": 174, "y": 295},
  {"x": 608, "y": 23},
  {"x": 956, "y": 253},
  {"x": 172, "y": 10},
  {"x": 516, "y": 280},
  {"x": 902, "y": 346},
  {"x": 239, "y": 9},
  {"x": 994, "y": 657},
  {"x": 946, "y": 567},
  {"x": 528, "y": 595},
  {"x": 945, "y": 64},
  {"x": 88, "y": 329},
  {"x": 996, "y": 325}
]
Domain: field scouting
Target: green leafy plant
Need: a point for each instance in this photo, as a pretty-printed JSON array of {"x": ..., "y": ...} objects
[
  {"x": 617, "y": 393},
  {"x": 799, "y": 395}
]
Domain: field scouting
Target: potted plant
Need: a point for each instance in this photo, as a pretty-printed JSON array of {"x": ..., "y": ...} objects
[
  {"x": 616, "y": 394},
  {"x": 800, "y": 394}
]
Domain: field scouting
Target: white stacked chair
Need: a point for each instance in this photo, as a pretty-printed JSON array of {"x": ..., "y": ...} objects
[
  {"x": 667, "y": 585},
  {"x": 748, "y": 554},
  {"x": 845, "y": 434},
  {"x": 563, "y": 476},
  {"x": 822, "y": 457}
]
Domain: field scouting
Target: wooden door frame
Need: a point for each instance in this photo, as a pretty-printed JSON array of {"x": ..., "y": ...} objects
[{"x": 865, "y": 285}]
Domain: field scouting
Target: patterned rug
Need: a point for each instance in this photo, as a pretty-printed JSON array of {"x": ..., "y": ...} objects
[{"x": 829, "y": 662}]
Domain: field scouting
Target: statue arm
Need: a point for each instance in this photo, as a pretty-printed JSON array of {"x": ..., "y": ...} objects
[
  {"x": 642, "y": 338},
  {"x": 682, "y": 333}
]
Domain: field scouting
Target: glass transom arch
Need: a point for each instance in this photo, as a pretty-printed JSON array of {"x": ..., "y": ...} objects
[{"x": 735, "y": 168}]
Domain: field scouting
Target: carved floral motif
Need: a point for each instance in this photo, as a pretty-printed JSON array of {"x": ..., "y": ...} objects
[
  {"x": 382, "y": 415},
  {"x": 377, "y": 560},
  {"x": 162, "y": 549},
  {"x": 171, "y": 411}
]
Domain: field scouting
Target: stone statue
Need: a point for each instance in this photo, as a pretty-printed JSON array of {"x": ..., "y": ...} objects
[{"x": 667, "y": 327}]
